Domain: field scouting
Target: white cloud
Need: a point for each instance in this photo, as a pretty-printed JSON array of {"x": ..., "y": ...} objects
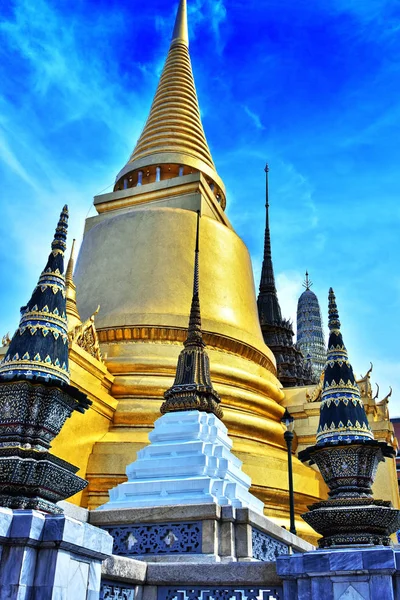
[{"x": 254, "y": 118}]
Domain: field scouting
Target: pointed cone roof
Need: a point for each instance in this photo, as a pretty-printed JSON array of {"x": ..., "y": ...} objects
[
  {"x": 39, "y": 347},
  {"x": 269, "y": 309},
  {"x": 173, "y": 133},
  {"x": 193, "y": 389},
  {"x": 342, "y": 417}
]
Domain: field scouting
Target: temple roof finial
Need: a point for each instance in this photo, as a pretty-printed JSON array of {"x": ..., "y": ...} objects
[
  {"x": 192, "y": 388},
  {"x": 71, "y": 263},
  {"x": 342, "y": 416},
  {"x": 194, "y": 336},
  {"x": 73, "y": 316},
  {"x": 173, "y": 142},
  {"x": 268, "y": 303},
  {"x": 278, "y": 332},
  {"x": 180, "y": 34},
  {"x": 307, "y": 282},
  {"x": 39, "y": 347},
  {"x": 333, "y": 315}
]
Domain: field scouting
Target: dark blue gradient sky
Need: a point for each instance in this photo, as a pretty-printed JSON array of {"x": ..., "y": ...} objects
[{"x": 311, "y": 87}]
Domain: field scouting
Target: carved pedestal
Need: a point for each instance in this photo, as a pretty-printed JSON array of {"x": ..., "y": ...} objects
[
  {"x": 351, "y": 515},
  {"x": 32, "y": 413}
]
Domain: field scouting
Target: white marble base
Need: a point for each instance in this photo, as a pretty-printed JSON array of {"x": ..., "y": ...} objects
[
  {"x": 188, "y": 461},
  {"x": 49, "y": 557}
]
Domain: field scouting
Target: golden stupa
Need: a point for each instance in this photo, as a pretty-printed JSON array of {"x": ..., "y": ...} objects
[{"x": 135, "y": 262}]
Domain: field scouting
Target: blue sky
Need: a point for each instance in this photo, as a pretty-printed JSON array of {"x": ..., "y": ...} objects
[{"x": 311, "y": 87}]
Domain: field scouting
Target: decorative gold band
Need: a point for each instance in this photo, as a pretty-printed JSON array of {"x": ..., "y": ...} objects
[{"x": 178, "y": 335}]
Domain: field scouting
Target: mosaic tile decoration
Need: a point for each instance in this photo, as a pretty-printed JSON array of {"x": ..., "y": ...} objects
[
  {"x": 156, "y": 538},
  {"x": 219, "y": 593},
  {"x": 265, "y": 547}
]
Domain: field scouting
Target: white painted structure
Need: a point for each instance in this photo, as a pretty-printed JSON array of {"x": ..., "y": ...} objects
[{"x": 188, "y": 461}]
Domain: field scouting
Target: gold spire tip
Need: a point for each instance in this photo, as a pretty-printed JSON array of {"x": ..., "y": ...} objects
[
  {"x": 180, "y": 34},
  {"x": 70, "y": 267}
]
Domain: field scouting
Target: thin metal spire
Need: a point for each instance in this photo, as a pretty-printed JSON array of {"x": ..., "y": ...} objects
[
  {"x": 180, "y": 34},
  {"x": 194, "y": 330},
  {"x": 192, "y": 388},
  {"x": 268, "y": 303},
  {"x": 307, "y": 283},
  {"x": 70, "y": 267}
]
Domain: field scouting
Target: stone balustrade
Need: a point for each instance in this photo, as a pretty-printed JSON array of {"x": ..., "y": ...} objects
[{"x": 203, "y": 533}]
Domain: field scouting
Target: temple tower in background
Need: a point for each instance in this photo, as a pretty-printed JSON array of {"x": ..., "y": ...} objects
[{"x": 310, "y": 334}]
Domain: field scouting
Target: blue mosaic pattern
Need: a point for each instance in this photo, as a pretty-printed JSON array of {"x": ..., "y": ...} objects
[
  {"x": 114, "y": 590},
  {"x": 219, "y": 593},
  {"x": 156, "y": 538},
  {"x": 266, "y": 548}
]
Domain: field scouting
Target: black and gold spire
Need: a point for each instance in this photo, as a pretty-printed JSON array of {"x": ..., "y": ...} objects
[
  {"x": 342, "y": 417},
  {"x": 268, "y": 303},
  {"x": 192, "y": 388},
  {"x": 39, "y": 348},
  {"x": 292, "y": 369}
]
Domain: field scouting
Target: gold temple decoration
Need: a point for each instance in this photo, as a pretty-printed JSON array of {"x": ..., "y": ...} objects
[
  {"x": 192, "y": 388},
  {"x": 72, "y": 309},
  {"x": 6, "y": 339},
  {"x": 83, "y": 334},
  {"x": 173, "y": 138}
]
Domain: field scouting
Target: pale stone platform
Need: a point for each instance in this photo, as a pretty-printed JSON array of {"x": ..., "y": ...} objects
[
  {"x": 224, "y": 534},
  {"x": 354, "y": 573},
  {"x": 188, "y": 461},
  {"x": 50, "y": 557}
]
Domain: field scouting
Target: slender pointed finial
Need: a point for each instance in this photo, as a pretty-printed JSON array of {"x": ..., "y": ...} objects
[
  {"x": 333, "y": 315},
  {"x": 192, "y": 388},
  {"x": 180, "y": 34},
  {"x": 70, "y": 267},
  {"x": 73, "y": 316},
  {"x": 195, "y": 336},
  {"x": 307, "y": 282},
  {"x": 60, "y": 237}
]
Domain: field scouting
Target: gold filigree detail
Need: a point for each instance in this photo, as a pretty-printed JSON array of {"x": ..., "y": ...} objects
[
  {"x": 85, "y": 336},
  {"x": 6, "y": 339},
  {"x": 172, "y": 335}
]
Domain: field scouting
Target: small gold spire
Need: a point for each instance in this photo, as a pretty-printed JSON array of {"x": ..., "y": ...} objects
[
  {"x": 71, "y": 263},
  {"x": 180, "y": 34},
  {"x": 73, "y": 316}
]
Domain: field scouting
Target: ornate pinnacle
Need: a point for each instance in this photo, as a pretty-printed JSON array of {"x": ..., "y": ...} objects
[
  {"x": 333, "y": 319},
  {"x": 180, "y": 34},
  {"x": 195, "y": 337},
  {"x": 70, "y": 267},
  {"x": 192, "y": 388},
  {"x": 39, "y": 347},
  {"x": 307, "y": 283},
  {"x": 342, "y": 416},
  {"x": 60, "y": 236}
]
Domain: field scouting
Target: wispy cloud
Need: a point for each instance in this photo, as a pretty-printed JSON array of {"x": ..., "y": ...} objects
[
  {"x": 207, "y": 15},
  {"x": 254, "y": 118}
]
